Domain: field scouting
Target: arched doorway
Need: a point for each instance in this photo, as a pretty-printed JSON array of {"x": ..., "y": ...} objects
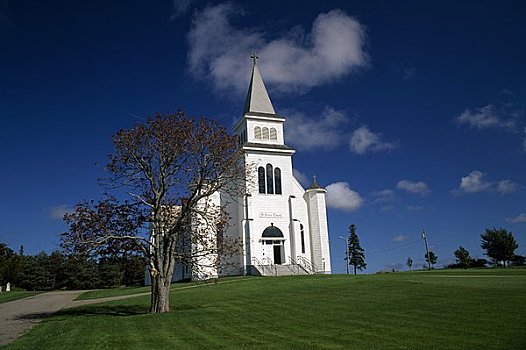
[{"x": 273, "y": 237}]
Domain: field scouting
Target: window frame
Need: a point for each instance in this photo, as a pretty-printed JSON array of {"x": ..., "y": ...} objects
[
  {"x": 270, "y": 178},
  {"x": 262, "y": 180}
]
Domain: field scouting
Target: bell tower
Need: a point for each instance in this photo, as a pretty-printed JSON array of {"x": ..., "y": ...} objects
[{"x": 274, "y": 215}]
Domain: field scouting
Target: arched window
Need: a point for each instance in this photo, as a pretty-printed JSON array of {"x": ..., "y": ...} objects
[
  {"x": 302, "y": 233},
  {"x": 265, "y": 133},
  {"x": 261, "y": 179},
  {"x": 257, "y": 133},
  {"x": 273, "y": 134},
  {"x": 277, "y": 180},
  {"x": 270, "y": 182}
]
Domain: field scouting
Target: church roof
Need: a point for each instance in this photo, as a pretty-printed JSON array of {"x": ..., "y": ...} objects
[
  {"x": 257, "y": 100},
  {"x": 271, "y": 146}
]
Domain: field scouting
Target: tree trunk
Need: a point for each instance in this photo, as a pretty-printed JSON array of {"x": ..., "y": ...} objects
[
  {"x": 160, "y": 301},
  {"x": 354, "y": 267}
]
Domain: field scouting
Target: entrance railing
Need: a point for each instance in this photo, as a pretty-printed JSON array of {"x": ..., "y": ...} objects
[
  {"x": 306, "y": 264},
  {"x": 267, "y": 266},
  {"x": 295, "y": 266}
]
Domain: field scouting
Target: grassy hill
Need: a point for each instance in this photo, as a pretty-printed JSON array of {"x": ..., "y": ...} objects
[{"x": 473, "y": 309}]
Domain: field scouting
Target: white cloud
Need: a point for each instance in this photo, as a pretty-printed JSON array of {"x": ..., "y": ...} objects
[
  {"x": 180, "y": 7},
  {"x": 507, "y": 186},
  {"x": 414, "y": 207},
  {"x": 324, "y": 132},
  {"x": 400, "y": 238},
  {"x": 485, "y": 118},
  {"x": 341, "y": 196},
  {"x": 363, "y": 141},
  {"x": 476, "y": 182},
  {"x": 384, "y": 196},
  {"x": 294, "y": 62},
  {"x": 57, "y": 212},
  {"x": 419, "y": 187},
  {"x": 301, "y": 177},
  {"x": 327, "y": 131},
  {"x": 521, "y": 218}
]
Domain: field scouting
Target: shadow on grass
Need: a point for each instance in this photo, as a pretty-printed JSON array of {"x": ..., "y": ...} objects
[
  {"x": 103, "y": 310},
  {"x": 113, "y": 310},
  {"x": 34, "y": 316}
]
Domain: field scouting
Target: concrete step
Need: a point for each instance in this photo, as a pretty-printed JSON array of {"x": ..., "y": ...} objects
[{"x": 277, "y": 270}]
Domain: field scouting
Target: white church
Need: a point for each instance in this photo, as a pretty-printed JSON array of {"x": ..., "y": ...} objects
[{"x": 282, "y": 226}]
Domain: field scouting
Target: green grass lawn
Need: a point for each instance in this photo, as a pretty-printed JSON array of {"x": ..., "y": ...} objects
[
  {"x": 473, "y": 309},
  {"x": 10, "y": 296},
  {"x": 104, "y": 293}
]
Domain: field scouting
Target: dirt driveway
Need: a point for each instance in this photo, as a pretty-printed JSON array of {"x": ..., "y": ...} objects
[{"x": 19, "y": 316}]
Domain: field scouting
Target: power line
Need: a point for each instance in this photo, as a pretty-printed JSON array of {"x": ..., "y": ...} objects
[{"x": 405, "y": 245}]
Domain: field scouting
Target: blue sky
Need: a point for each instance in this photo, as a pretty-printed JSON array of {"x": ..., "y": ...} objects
[{"x": 411, "y": 113}]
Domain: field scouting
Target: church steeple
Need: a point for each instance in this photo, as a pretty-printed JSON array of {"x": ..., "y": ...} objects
[{"x": 257, "y": 100}]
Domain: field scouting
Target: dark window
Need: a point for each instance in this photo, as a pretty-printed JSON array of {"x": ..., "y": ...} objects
[
  {"x": 270, "y": 181},
  {"x": 277, "y": 180},
  {"x": 302, "y": 232},
  {"x": 261, "y": 179}
]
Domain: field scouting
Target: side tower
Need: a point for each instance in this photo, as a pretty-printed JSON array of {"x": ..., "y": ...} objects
[
  {"x": 319, "y": 230},
  {"x": 274, "y": 215}
]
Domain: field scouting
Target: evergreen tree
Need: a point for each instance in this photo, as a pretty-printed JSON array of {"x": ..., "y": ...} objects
[
  {"x": 6, "y": 257},
  {"x": 463, "y": 258},
  {"x": 409, "y": 262},
  {"x": 356, "y": 252}
]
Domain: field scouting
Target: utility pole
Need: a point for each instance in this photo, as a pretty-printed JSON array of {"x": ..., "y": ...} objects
[
  {"x": 346, "y": 252},
  {"x": 427, "y": 249}
]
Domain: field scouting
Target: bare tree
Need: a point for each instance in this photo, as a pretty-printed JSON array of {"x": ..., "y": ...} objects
[{"x": 169, "y": 169}]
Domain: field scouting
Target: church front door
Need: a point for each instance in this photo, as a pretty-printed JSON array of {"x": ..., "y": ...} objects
[{"x": 277, "y": 254}]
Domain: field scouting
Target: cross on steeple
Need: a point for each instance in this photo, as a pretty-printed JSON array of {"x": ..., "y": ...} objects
[
  {"x": 314, "y": 184},
  {"x": 257, "y": 95},
  {"x": 254, "y": 58}
]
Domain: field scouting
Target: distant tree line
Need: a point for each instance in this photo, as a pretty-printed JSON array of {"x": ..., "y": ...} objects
[
  {"x": 60, "y": 271},
  {"x": 500, "y": 246}
]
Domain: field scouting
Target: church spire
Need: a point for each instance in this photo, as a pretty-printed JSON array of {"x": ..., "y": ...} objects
[{"x": 257, "y": 100}]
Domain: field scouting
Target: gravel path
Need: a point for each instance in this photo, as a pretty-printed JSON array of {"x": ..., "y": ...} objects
[{"x": 19, "y": 316}]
